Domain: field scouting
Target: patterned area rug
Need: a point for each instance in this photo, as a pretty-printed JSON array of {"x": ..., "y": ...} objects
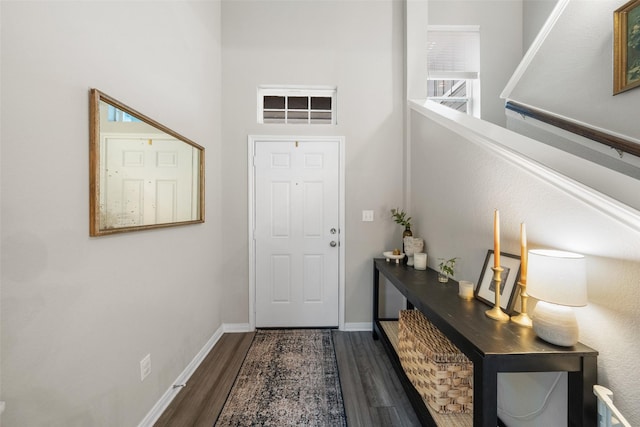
[{"x": 289, "y": 377}]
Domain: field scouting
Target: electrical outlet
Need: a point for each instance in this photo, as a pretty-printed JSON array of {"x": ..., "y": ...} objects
[
  {"x": 145, "y": 367},
  {"x": 367, "y": 216}
]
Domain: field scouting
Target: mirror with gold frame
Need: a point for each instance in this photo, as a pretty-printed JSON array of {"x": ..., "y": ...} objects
[{"x": 143, "y": 175}]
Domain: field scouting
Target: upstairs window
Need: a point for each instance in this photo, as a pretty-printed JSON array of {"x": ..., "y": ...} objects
[
  {"x": 296, "y": 105},
  {"x": 453, "y": 60},
  {"x": 456, "y": 94},
  {"x": 116, "y": 115}
]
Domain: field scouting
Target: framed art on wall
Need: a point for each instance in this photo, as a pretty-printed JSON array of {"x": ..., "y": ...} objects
[
  {"x": 485, "y": 291},
  {"x": 626, "y": 47}
]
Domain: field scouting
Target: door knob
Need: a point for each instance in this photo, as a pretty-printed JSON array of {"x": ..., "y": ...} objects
[
  {"x": 333, "y": 231},
  {"x": 333, "y": 244}
]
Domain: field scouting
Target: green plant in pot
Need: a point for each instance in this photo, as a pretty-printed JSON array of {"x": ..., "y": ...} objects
[
  {"x": 400, "y": 217},
  {"x": 446, "y": 269}
]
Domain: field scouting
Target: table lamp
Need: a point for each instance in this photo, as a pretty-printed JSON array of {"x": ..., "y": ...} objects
[{"x": 559, "y": 281}]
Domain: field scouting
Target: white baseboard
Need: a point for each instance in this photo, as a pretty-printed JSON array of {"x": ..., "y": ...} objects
[
  {"x": 357, "y": 326},
  {"x": 167, "y": 397},
  {"x": 236, "y": 327},
  {"x": 162, "y": 404}
]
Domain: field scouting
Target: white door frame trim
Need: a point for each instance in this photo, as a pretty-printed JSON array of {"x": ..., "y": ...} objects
[{"x": 252, "y": 140}]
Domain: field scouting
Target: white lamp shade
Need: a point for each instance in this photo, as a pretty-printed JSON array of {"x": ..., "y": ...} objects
[{"x": 557, "y": 277}]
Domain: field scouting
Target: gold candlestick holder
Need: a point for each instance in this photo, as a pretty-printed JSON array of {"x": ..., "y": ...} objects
[
  {"x": 523, "y": 318},
  {"x": 496, "y": 312}
]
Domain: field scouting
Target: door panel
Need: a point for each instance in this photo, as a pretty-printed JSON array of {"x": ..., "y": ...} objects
[
  {"x": 313, "y": 271},
  {"x": 281, "y": 280}
]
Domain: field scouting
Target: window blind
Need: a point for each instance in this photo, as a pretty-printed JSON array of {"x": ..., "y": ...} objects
[{"x": 453, "y": 52}]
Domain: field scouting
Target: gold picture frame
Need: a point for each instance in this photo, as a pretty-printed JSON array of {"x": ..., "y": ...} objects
[
  {"x": 142, "y": 175},
  {"x": 626, "y": 47}
]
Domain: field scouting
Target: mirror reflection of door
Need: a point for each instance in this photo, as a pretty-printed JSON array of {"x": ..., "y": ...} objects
[{"x": 146, "y": 180}]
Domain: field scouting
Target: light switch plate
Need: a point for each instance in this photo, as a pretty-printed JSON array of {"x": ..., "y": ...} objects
[{"x": 367, "y": 216}]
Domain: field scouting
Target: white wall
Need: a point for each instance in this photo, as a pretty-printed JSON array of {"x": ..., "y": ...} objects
[
  {"x": 457, "y": 180},
  {"x": 354, "y": 45},
  {"x": 456, "y": 220},
  {"x": 534, "y": 15},
  {"x": 500, "y": 43},
  {"x": 571, "y": 75},
  {"x": 79, "y": 313}
]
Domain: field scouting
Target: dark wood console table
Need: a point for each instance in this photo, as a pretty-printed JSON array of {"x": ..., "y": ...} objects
[{"x": 492, "y": 346}]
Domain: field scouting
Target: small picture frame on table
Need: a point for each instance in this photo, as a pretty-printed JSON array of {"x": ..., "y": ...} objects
[{"x": 485, "y": 291}]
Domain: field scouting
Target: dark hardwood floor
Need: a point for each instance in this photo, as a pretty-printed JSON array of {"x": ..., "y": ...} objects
[
  {"x": 371, "y": 390},
  {"x": 372, "y": 393},
  {"x": 201, "y": 400}
]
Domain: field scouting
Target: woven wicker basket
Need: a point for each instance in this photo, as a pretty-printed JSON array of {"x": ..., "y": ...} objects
[{"x": 437, "y": 369}]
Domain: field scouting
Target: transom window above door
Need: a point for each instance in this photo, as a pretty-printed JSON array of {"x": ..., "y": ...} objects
[{"x": 297, "y": 105}]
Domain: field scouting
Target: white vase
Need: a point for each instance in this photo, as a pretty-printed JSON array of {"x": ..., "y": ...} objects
[{"x": 412, "y": 245}]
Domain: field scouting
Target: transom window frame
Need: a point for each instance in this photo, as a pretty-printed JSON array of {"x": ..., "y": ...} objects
[{"x": 290, "y": 113}]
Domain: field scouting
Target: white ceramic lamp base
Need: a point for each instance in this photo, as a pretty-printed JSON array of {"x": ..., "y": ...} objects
[{"x": 555, "y": 324}]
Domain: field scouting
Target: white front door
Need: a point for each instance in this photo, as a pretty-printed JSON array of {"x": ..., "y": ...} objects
[{"x": 296, "y": 233}]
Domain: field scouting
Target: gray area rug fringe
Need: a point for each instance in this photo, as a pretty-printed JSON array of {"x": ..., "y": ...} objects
[{"x": 288, "y": 378}]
